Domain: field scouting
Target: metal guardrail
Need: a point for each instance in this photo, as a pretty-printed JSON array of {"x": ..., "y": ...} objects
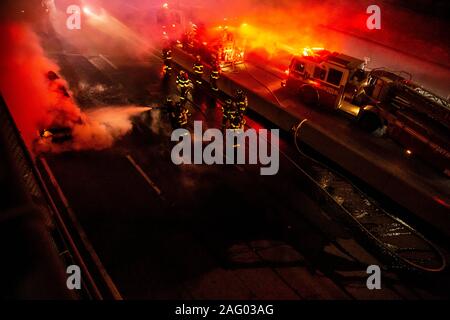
[
  {"x": 30, "y": 179},
  {"x": 29, "y": 249}
]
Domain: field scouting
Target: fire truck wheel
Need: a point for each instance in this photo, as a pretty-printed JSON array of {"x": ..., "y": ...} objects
[
  {"x": 370, "y": 122},
  {"x": 309, "y": 95}
]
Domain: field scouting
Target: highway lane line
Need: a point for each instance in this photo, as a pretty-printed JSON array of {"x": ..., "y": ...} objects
[
  {"x": 145, "y": 176},
  {"x": 108, "y": 61},
  {"x": 106, "y": 278}
]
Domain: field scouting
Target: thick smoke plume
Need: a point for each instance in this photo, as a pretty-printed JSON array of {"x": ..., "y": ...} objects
[
  {"x": 104, "y": 126},
  {"x": 38, "y": 102}
]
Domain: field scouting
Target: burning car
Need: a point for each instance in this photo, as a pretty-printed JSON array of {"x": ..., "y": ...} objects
[
  {"x": 60, "y": 129},
  {"x": 56, "y": 134}
]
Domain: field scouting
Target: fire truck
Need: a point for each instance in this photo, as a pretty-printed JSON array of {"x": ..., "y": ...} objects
[
  {"x": 381, "y": 101},
  {"x": 213, "y": 45}
]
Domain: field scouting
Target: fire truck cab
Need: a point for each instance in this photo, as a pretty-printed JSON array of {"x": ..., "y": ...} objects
[
  {"x": 380, "y": 101},
  {"x": 329, "y": 79}
]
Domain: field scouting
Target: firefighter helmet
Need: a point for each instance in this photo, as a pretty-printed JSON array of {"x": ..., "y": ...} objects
[{"x": 183, "y": 74}]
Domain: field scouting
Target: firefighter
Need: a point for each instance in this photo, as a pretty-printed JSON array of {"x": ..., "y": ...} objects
[
  {"x": 235, "y": 121},
  {"x": 171, "y": 109},
  {"x": 169, "y": 105},
  {"x": 167, "y": 58},
  {"x": 181, "y": 115},
  {"x": 192, "y": 36},
  {"x": 241, "y": 106},
  {"x": 198, "y": 70},
  {"x": 214, "y": 76},
  {"x": 228, "y": 112},
  {"x": 184, "y": 84}
]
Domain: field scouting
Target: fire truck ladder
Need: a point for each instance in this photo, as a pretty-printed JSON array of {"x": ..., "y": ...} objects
[
  {"x": 432, "y": 97},
  {"x": 427, "y": 102},
  {"x": 404, "y": 247},
  {"x": 413, "y": 97}
]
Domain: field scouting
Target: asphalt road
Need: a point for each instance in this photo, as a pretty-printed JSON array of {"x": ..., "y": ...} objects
[{"x": 196, "y": 231}]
